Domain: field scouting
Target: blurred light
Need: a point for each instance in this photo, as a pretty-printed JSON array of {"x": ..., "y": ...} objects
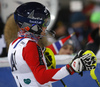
[
  {"x": 52, "y": 17},
  {"x": 76, "y": 6}
]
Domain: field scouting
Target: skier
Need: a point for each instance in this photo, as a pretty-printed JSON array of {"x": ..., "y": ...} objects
[{"x": 26, "y": 58}]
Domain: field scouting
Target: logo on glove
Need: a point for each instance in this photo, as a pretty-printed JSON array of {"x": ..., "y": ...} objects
[{"x": 74, "y": 63}]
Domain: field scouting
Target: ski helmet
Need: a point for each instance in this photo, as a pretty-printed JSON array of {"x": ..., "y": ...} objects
[{"x": 32, "y": 16}]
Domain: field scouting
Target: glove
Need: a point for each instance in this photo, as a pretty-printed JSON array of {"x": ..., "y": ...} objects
[
  {"x": 50, "y": 58},
  {"x": 83, "y": 61}
]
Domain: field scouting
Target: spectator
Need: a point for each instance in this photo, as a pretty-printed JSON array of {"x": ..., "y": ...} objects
[
  {"x": 94, "y": 43},
  {"x": 88, "y": 9},
  {"x": 94, "y": 22},
  {"x": 55, "y": 47},
  {"x": 60, "y": 29},
  {"x": 77, "y": 25},
  {"x": 60, "y": 25},
  {"x": 67, "y": 48}
]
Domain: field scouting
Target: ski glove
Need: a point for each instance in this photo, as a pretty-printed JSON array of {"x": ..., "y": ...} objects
[{"x": 83, "y": 61}]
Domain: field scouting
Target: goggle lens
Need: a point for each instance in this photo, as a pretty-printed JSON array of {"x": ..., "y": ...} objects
[{"x": 46, "y": 22}]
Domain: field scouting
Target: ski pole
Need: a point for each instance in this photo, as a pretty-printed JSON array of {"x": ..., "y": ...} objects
[{"x": 93, "y": 75}]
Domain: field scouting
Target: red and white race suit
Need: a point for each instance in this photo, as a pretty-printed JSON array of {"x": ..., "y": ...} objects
[{"x": 29, "y": 67}]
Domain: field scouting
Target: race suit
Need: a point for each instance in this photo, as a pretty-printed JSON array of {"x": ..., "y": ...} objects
[{"x": 28, "y": 65}]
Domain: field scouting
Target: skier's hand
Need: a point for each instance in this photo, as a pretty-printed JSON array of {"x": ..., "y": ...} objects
[{"x": 83, "y": 61}]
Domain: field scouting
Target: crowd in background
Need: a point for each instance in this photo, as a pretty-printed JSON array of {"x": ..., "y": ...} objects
[{"x": 85, "y": 23}]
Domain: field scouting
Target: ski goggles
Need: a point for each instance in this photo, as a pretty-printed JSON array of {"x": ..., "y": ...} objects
[{"x": 46, "y": 22}]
